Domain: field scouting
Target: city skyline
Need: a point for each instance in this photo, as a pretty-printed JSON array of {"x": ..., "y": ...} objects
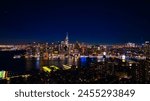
[
  {"x": 67, "y": 40},
  {"x": 91, "y": 22}
]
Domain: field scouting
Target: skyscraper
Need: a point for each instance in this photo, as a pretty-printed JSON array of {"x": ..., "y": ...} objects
[{"x": 67, "y": 40}]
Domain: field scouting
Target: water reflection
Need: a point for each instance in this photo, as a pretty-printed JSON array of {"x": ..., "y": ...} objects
[
  {"x": 29, "y": 64},
  {"x": 34, "y": 64},
  {"x": 38, "y": 63}
]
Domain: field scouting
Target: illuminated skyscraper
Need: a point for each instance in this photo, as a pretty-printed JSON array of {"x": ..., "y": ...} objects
[
  {"x": 67, "y": 40},
  {"x": 147, "y": 49}
]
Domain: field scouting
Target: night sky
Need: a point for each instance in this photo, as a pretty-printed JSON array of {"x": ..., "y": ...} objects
[{"x": 91, "y": 21}]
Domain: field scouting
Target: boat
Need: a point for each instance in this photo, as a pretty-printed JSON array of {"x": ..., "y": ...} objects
[
  {"x": 49, "y": 69},
  {"x": 17, "y": 57},
  {"x": 66, "y": 67}
]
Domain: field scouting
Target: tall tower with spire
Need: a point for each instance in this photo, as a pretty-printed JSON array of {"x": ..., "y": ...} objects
[{"x": 67, "y": 40}]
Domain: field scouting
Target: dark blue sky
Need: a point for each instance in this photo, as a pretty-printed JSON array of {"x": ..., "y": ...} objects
[{"x": 92, "y": 21}]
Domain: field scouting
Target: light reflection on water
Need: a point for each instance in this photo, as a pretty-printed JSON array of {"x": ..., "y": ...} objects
[
  {"x": 8, "y": 63},
  {"x": 35, "y": 64},
  {"x": 39, "y": 63}
]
